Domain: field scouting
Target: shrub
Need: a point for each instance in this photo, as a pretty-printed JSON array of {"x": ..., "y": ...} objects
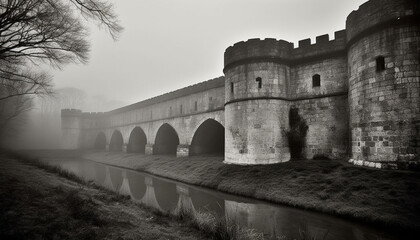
[{"x": 297, "y": 133}]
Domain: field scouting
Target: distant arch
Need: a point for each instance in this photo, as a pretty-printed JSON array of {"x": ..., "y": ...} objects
[
  {"x": 100, "y": 142},
  {"x": 166, "y": 140},
  {"x": 116, "y": 143},
  {"x": 137, "y": 141},
  {"x": 209, "y": 138}
]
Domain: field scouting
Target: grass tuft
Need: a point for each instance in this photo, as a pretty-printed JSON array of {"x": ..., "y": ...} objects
[{"x": 217, "y": 227}]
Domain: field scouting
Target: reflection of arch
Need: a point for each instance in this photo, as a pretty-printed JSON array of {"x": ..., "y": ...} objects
[
  {"x": 209, "y": 138},
  {"x": 137, "y": 141},
  {"x": 116, "y": 142},
  {"x": 137, "y": 185},
  {"x": 166, "y": 194},
  {"x": 100, "y": 142},
  {"x": 166, "y": 140}
]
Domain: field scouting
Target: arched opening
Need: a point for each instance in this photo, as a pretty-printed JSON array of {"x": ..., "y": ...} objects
[
  {"x": 166, "y": 140},
  {"x": 316, "y": 80},
  {"x": 116, "y": 142},
  {"x": 208, "y": 139},
  {"x": 137, "y": 141},
  {"x": 100, "y": 142}
]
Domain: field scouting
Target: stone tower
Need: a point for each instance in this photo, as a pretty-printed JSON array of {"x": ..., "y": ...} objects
[
  {"x": 256, "y": 109},
  {"x": 70, "y": 128},
  {"x": 383, "y": 42}
]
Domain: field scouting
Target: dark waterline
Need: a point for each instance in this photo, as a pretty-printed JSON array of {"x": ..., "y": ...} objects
[{"x": 168, "y": 195}]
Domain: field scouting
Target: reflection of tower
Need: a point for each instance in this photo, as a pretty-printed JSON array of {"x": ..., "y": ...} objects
[
  {"x": 108, "y": 181},
  {"x": 184, "y": 202},
  {"x": 125, "y": 186},
  {"x": 256, "y": 112},
  {"x": 149, "y": 197}
]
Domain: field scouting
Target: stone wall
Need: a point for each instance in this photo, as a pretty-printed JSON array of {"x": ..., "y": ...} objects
[
  {"x": 328, "y": 133},
  {"x": 333, "y": 74}
]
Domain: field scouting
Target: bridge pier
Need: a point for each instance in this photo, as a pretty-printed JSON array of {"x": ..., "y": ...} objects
[
  {"x": 124, "y": 148},
  {"x": 148, "y": 149},
  {"x": 183, "y": 150},
  {"x": 149, "y": 198},
  {"x": 107, "y": 147},
  {"x": 184, "y": 202}
]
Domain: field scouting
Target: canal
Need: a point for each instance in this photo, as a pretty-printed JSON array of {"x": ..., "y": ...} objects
[{"x": 168, "y": 195}]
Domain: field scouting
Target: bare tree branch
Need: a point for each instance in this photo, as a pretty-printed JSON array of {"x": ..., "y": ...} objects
[{"x": 43, "y": 31}]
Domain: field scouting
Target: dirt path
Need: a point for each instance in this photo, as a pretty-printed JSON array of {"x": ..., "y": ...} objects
[{"x": 36, "y": 204}]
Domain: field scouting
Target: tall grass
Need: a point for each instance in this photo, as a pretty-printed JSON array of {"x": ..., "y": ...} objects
[{"x": 217, "y": 227}]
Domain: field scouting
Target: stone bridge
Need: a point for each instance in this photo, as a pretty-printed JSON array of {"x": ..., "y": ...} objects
[{"x": 185, "y": 122}]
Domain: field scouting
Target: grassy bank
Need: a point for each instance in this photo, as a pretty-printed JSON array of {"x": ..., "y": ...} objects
[
  {"x": 388, "y": 199},
  {"x": 40, "y": 201}
]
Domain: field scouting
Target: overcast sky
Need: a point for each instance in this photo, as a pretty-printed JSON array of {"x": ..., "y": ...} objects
[{"x": 171, "y": 44}]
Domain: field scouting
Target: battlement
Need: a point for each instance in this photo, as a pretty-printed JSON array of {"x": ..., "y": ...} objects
[
  {"x": 70, "y": 112},
  {"x": 92, "y": 114},
  {"x": 257, "y": 48},
  {"x": 373, "y": 13},
  {"x": 270, "y": 48},
  {"x": 322, "y": 46}
]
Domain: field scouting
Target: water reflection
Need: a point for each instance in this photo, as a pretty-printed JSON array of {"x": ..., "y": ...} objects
[
  {"x": 136, "y": 184},
  {"x": 273, "y": 220},
  {"x": 166, "y": 194},
  {"x": 99, "y": 176}
]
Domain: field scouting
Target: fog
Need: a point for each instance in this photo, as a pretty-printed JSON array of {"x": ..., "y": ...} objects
[
  {"x": 173, "y": 44},
  {"x": 40, "y": 127}
]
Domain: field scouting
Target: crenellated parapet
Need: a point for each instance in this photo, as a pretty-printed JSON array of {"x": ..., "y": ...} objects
[
  {"x": 92, "y": 114},
  {"x": 71, "y": 112},
  {"x": 255, "y": 50},
  {"x": 281, "y": 51},
  {"x": 322, "y": 48}
]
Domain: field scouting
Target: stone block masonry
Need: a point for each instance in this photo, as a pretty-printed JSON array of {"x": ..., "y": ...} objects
[{"x": 359, "y": 94}]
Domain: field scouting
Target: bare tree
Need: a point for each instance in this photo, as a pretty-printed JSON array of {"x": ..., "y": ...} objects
[{"x": 53, "y": 32}]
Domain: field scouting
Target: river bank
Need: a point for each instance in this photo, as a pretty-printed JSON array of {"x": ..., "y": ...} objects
[
  {"x": 384, "y": 198},
  {"x": 381, "y": 197},
  {"x": 39, "y": 201}
]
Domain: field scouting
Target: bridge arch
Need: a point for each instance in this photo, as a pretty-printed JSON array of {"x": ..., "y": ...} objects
[
  {"x": 116, "y": 143},
  {"x": 100, "y": 141},
  {"x": 209, "y": 138},
  {"x": 166, "y": 140},
  {"x": 137, "y": 141}
]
